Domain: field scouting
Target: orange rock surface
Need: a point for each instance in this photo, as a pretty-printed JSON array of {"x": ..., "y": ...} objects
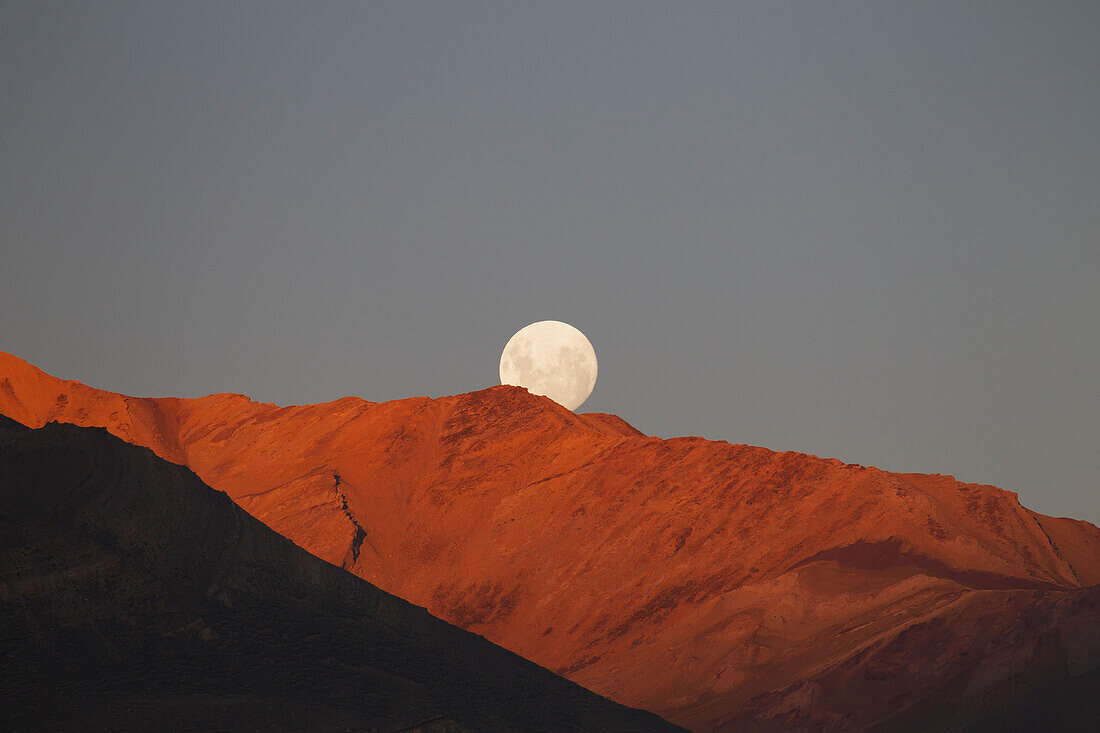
[{"x": 688, "y": 577}]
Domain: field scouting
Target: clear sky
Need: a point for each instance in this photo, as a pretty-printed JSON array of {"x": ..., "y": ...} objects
[{"x": 862, "y": 230}]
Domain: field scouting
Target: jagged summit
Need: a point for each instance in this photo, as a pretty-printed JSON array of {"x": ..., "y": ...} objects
[{"x": 689, "y": 577}]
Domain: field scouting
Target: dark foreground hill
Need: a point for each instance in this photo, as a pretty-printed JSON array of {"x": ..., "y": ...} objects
[{"x": 134, "y": 597}]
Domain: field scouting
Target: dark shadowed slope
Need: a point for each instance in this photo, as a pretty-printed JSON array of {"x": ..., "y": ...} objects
[
  {"x": 997, "y": 660},
  {"x": 132, "y": 596},
  {"x": 702, "y": 580}
]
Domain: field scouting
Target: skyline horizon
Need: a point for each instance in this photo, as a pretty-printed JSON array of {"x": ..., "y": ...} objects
[{"x": 579, "y": 412}]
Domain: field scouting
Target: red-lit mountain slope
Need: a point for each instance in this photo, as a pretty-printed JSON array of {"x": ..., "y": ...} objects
[{"x": 696, "y": 579}]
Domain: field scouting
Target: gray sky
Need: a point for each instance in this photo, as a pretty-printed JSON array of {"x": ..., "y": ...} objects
[{"x": 862, "y": 230}]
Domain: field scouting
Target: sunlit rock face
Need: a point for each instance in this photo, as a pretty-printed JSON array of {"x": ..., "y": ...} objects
[{"x": 718, "y": 585}]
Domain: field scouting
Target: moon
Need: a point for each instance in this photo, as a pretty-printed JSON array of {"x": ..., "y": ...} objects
[{"x": 551, "y": 358}]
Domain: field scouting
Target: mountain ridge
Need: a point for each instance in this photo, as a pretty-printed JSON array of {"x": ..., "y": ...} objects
[{"x": 723, "y": 570}]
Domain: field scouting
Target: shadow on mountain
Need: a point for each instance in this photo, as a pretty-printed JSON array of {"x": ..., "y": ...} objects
[{"x": 134, "y": 597}]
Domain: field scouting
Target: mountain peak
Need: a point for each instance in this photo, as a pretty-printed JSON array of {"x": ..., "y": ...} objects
[{"x": 724, "y": 571}]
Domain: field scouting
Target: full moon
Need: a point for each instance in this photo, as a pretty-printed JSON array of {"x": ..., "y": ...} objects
[{"x": 550, "y": 358}]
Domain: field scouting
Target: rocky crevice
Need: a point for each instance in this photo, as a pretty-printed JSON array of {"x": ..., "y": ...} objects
[{"x": 360, "y": 532}]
